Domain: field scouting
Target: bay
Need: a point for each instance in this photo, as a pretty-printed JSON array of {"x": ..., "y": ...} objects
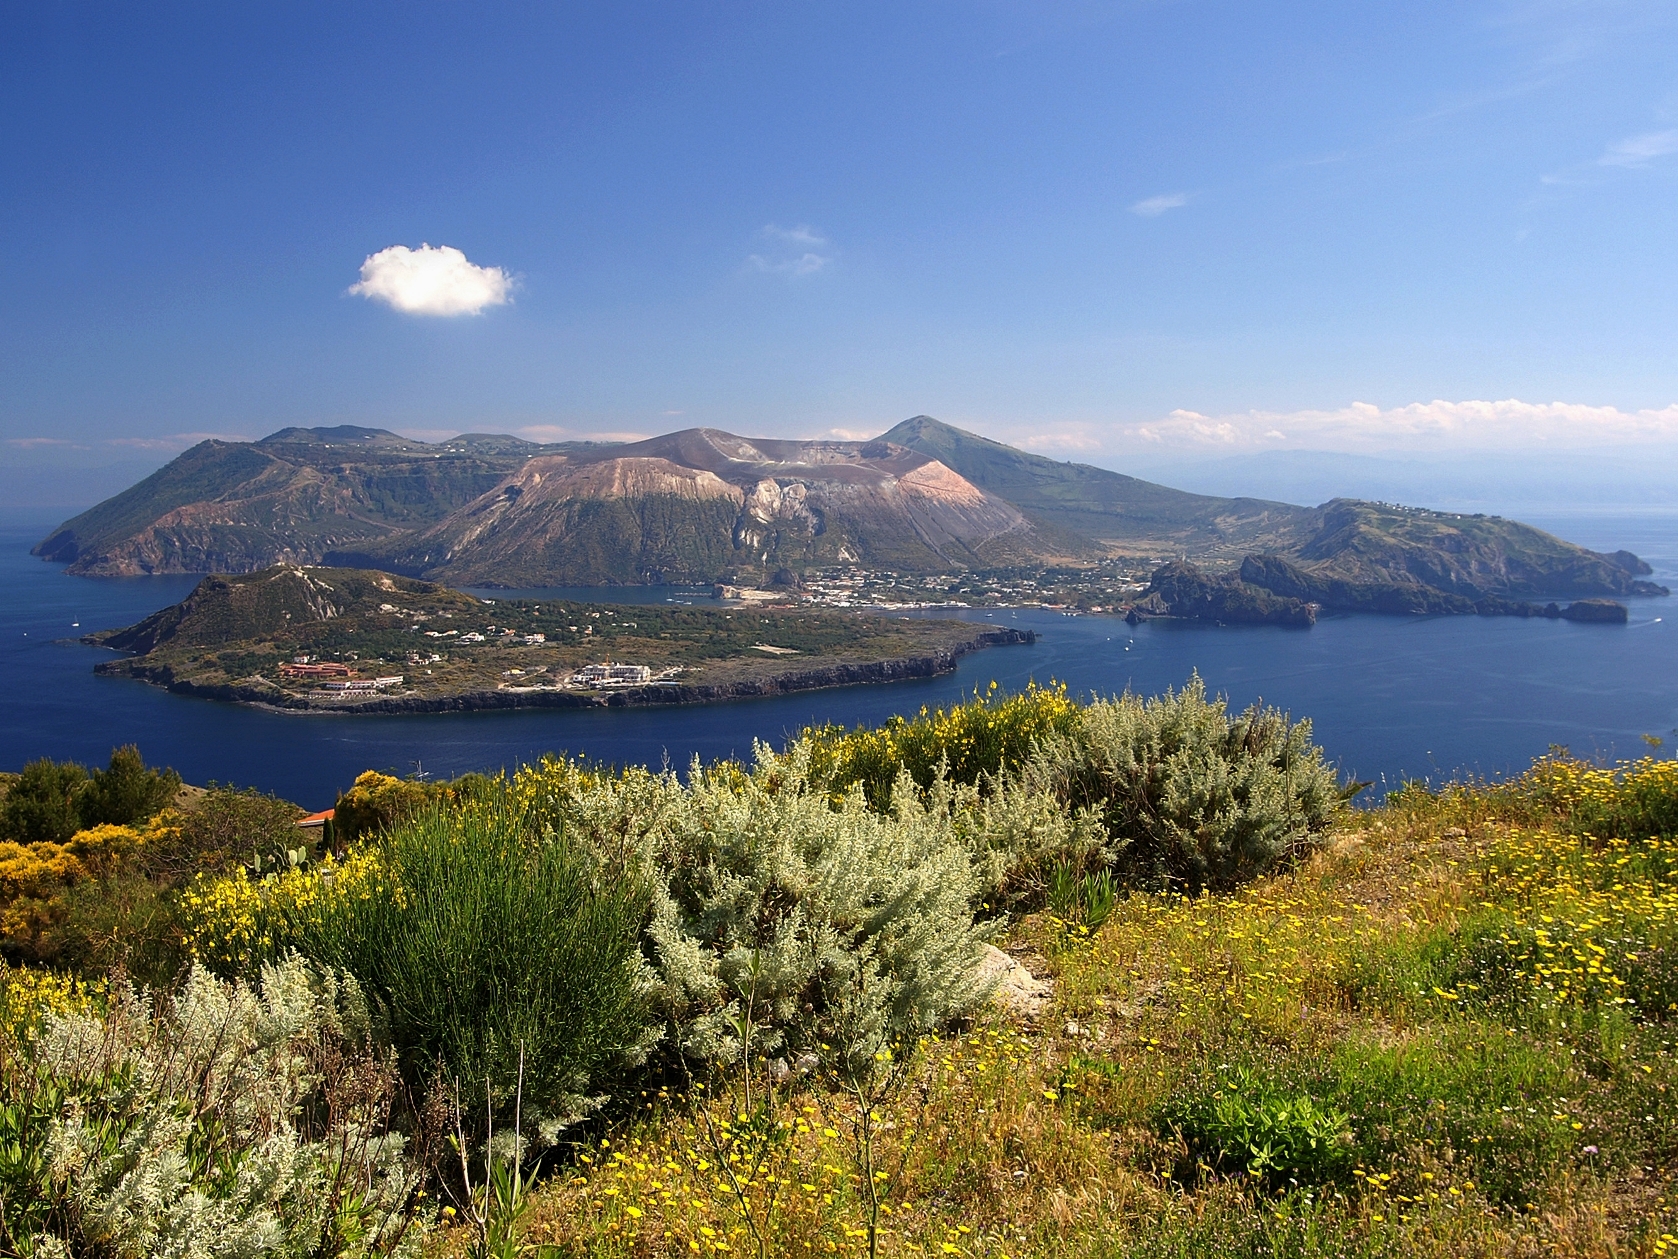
[{"x": 1390, "y": 698}]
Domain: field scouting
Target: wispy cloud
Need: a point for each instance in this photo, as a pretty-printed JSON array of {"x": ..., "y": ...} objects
[
  {"x": 1323, "y": 159},
  {"x": 559, "y": 433},
  {"x": 431, "y": 280},
  {"x": 177, "y": 441},
  {"x": 1153, "y": 207},
  {"x": 803, "y": 234},
  {"x": 1640, "y": 150},
  {"x": 1508, "y": 425},
  {"x": 167, "y": 442},
  {"x": 793, "y": 251}
]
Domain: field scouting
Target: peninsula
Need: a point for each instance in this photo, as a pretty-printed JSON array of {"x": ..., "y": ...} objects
[{"x": 351, "y": 640}]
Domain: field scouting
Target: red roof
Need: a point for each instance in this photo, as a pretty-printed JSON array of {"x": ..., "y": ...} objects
[{"x": 316, "y": 819}]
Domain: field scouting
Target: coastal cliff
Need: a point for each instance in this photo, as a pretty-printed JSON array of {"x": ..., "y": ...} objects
[
  {"x": 1411, "y": 598},
  {"x": 1180, "y": 589}
]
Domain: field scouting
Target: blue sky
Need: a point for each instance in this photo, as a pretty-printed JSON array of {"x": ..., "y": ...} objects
[{"x": 1123, "y": 232}]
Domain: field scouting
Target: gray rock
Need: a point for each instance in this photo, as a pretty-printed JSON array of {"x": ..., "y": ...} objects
[{"x": 1017, "y": 990}]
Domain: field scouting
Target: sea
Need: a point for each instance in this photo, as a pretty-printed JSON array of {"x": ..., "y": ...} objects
[{"x": 1390, "y": 699}]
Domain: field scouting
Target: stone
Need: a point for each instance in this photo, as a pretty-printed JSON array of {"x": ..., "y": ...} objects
[{"x": 1017, "y": 990}]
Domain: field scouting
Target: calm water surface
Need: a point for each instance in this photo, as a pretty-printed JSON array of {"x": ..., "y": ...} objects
[{"x": 1390, "y": 698}]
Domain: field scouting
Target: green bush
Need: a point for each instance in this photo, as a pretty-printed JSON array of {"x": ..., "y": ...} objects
[
  {"x": 1189, "y": 795},
  {"x": 126, "y": 792},
  {"x": 229, "y": 826},
  {"x": 50, "y": 801},
  {"x": 1249, "y": 1122},
  {"x": 821, "y": 921},
  {"x": 122, "y": 921},
  {"x": 41, "y": 806},
  {"x": 478, "y": 943}
]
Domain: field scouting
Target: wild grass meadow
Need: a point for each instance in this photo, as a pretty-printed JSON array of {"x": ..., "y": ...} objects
[{"x": 1022, "y": 977}]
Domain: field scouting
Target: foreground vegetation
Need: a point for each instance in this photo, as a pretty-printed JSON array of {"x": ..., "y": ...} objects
[{"x": 613, "y": 1013}]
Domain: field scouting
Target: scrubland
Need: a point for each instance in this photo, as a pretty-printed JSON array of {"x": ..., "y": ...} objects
[{"x": 580, "y": 1011}]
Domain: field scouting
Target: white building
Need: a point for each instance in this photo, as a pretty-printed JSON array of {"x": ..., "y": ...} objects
[{"x": 610, "y": 674}]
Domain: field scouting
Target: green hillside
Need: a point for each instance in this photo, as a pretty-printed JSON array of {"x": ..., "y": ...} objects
[
  {"x": 1470, "y": 555},
  {"x": 294, "y": 496},
  {"x": 1109, "y": 507}
]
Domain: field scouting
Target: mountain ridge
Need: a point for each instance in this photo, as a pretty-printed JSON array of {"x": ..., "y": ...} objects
[{"x": 703, "y": 504}]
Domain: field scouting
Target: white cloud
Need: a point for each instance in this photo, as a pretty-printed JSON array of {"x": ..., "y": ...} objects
[
  {"x": 1509, "y": 425},
  {"x": 1078, "y": 437},
  {"x": 1153, "y": 207},
  {"x": 432, "y": 280},
  {"x": 803, "y": 234},
  {"x": 1640, "y": 150},
  {"x": 795, "y": 251}
]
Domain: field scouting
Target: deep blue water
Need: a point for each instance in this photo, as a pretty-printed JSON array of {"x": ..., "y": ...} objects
[{"x": 1390, "y": 698}]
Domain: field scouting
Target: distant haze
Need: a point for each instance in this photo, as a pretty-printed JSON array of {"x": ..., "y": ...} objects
[{"x": 1513, "y": 484}]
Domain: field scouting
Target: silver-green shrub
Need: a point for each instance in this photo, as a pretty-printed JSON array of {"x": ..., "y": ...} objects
[
  {"x": 1190, "y": 795},
  {"x": 227, "y": 1120},
  {"x": 794, "y": 910}
]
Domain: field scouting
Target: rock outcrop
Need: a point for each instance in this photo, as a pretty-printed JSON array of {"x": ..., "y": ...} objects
[
  {"x": 1181, "y": 589},
  {"x": 1409, "y": 598}
]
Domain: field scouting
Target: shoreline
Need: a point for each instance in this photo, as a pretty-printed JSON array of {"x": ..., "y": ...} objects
[{"x": 824, "y": 677}]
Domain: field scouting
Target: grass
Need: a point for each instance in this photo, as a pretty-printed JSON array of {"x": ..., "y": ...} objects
[{"x": 1448, "y": 1032}]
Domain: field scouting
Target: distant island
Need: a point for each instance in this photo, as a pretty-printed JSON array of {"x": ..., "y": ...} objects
[
  {"x": 348, "y": 640},
  {"x": 922, "y": 504}
]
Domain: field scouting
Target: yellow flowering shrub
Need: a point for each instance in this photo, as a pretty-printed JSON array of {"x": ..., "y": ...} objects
[
  {"x": 34, "y": 878},
  {"x": 989, "y": 733},
  {"x": 1634, "y": 799},
  {"x": 42, "y": 869},
  {"x": 27, "y": 995},
  {"x": 234, "y": 922},
  {"x": 377, "y": 800}
]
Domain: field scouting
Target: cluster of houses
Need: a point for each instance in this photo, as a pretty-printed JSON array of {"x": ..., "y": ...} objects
[
  {"x": 334, "y": 680},
  {"x": 302, "y": 668},
  {"x": 506, "y": 638},
  {"x": 361, "y": 686}
]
